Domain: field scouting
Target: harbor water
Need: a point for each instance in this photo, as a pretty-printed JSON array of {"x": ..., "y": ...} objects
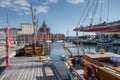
[{"x": 56, "y": 49}]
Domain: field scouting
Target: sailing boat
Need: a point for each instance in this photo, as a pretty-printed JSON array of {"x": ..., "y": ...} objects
[
  {"x": 35, "y": 48},
  {"x": 95, "y": 66}
]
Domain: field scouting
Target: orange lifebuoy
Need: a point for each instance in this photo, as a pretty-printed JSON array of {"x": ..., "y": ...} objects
[
  {"x": 8, "y": 42},
  {"x": 91, "y": 73}
]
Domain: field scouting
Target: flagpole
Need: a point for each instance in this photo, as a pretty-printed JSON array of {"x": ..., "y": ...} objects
[{"x": 7, "y": 52}]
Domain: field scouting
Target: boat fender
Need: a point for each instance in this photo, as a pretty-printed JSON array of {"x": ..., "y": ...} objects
[{"x": 91, "y": 73}]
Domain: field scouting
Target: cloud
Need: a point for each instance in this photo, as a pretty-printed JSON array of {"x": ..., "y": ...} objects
[
  {"x": 50, "y": 2},
  {"x": 15, "y": 5},
  {"x": 40, "y": 9},
  {"x": 75, "y": 1},
  {"x": 101, "y": 1},
  {"x": 23, "y": 6},
  {"x": 5, "y": 3},
  {"x": 21, "y": 3}
]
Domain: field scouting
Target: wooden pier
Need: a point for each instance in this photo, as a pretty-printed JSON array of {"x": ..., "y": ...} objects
[{"x": 30, "y": 68}]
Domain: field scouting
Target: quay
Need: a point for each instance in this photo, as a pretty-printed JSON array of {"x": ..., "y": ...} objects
[
  {"x": 29, "y": 68},
  {"x": 12, "y": 52}
]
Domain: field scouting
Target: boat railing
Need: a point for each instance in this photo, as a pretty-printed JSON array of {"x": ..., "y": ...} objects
[
  {"x": 108, "y": 69},
  {"x": 111, "y": 69},
  {"x": 74, "y": 72},
  {"x": 69, "y": 52}
]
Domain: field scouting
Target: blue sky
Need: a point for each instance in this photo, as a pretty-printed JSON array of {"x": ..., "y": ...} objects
[{"x": 60, "y": 15}]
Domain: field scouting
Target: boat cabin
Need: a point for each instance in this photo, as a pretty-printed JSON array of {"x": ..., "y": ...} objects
[{"x": 102, "y": 66}]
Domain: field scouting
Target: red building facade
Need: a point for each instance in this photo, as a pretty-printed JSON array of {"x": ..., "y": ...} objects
[{"x": 42, "y": 34}]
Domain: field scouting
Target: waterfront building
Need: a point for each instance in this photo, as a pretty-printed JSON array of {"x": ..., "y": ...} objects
[
  {"x": 44, "y": 32},
  {"x": 13, "y": 33},
  {"x": 26, "y": 28},
  {"x": 25, "y": 38},
  {"x": 44, "y": 29},
  {"x": 2, "y": 34},
  {"x": 58, "y": 37},
  {"x": 25, "y": 33}
]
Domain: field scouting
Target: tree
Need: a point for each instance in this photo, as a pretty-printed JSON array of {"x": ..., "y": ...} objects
[
  {"x": 115, "y": 36},
  {"x": 104, "y": 35},
  {"x": 97, "y": 36}
]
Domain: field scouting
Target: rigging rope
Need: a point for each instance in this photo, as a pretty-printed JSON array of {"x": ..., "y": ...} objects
[
  {"x": 89, "y": 9},
  {"x": 101, "y": 10},
  {"x": 94, "y": 11},
  {"x": 79, "y": 22},
  {"x": 91, "y": 5},
  {"x": 108, "y": 10}
]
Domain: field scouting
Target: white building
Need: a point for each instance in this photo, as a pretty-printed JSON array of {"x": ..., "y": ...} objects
[
  {"x": 26, "y": 28},
  {"x": 2, "y": 34},
  {"x": 13, "y": 33}
]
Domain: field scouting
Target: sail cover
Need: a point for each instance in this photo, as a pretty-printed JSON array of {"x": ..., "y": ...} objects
[{"x": 110, "y": 28}]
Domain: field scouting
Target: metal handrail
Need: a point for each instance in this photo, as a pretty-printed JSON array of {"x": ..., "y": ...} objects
[{"x": 79, "y": 76}]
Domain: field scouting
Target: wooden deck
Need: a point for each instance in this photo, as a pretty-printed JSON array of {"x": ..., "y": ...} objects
[{"x": 29, "y": 68}]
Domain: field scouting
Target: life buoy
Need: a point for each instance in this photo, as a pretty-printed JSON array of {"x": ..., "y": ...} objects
[
  {"x": 91, "y": 73},
  {"x": 8, "y": 42}
]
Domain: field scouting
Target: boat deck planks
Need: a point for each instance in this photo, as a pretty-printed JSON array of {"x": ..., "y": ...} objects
[{"x": 27, "y": 68}]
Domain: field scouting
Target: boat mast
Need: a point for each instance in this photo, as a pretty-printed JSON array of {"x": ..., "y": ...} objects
[
  {"x": 77, "y": 41},
  {"x": 35, "y": 28},
  {"x": 34, "y": 25}
]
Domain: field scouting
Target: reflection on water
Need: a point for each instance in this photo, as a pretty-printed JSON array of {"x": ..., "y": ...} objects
[
  {"x": 110, "y": 48},
  {"x": 90, "y": 48},
  {"x": 47, "y": 49},
  {"x": 116, "y": 49},
  {"x": 56, "y": 49}
]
